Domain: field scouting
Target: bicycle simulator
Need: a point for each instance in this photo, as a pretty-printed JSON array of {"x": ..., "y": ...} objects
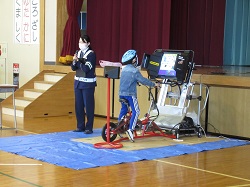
[
  {"x": 167, "y": 115},
  {"x": 174, "y": 69}
]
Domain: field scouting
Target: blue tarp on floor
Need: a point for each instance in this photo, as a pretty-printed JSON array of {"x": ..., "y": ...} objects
[{"x": 58, "y": 149}]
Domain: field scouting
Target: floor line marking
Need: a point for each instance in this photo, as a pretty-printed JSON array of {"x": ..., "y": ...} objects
[
  {"x": 27, "y": 182},
  {"x": 20, "y": 164},
  {"x": 189, "y": 167}
]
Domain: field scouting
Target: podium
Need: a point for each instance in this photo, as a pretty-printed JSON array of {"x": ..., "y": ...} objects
[{"x": 111, "y": 71}]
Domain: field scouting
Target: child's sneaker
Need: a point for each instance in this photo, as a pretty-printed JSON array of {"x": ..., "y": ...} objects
[{"x": 130, "y": 135}]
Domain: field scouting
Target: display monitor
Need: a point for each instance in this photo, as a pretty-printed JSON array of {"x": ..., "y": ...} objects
[{"x": 170, "y": 64}]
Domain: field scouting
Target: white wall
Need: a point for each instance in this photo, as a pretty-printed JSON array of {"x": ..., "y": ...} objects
[
  {"x": 50, "y": 30},
  {"x": 26, "y": 55}
]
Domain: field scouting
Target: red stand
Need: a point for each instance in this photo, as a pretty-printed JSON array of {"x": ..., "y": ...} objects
[{"x": 108, "y": 144}]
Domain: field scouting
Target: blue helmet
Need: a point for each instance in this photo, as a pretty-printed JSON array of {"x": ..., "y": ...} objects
[{"x": 128, "y": 56}]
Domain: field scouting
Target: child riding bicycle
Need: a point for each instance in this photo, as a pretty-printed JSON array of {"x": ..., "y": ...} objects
[{"x": 130, "y": 77}]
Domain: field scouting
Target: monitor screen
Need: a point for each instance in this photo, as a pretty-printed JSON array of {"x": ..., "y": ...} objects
[{"x": 167, "y": 67}]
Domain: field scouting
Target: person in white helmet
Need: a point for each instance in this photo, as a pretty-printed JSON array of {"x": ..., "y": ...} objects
[{"x": 130, "y": 77}]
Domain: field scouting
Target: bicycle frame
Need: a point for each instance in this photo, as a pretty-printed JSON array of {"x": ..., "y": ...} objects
[{"x": 147, "y": 126}]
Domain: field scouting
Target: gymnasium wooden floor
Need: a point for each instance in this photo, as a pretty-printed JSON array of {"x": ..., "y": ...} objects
[{"x": 219, "y": 168}]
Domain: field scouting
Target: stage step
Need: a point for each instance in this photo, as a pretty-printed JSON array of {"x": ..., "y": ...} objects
[
  {"x": 33, "y": 93},
  {"x": 43, "y": 85},
  {"x": 9, "y": 110},
  {"x": 53, "y": 77},
  {"x": 26, "y": 96},
  {"x": 23, "y": 101}
]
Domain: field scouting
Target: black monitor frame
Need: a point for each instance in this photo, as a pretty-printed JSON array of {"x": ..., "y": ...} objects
[{"x": 183, "y": 65}]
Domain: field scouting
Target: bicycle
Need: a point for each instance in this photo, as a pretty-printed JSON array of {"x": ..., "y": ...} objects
[{"x": 146, "y": 125}]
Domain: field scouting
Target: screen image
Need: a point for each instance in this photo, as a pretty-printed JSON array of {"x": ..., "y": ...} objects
[{"x": 167, "y": 67}]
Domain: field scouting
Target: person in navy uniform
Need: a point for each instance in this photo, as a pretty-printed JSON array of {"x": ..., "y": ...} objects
[{"x": 84, "y": 63}]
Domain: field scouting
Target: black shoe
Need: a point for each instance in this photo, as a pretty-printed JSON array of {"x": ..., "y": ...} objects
[
  {"x": 88, "y": 132},
  {"x": 78, "y": 130}
]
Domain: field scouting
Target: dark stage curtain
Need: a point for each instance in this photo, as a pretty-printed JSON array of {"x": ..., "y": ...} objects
[
  {"x": 151, "y": 25},
  {"x": 199, "y": 25},
  {"x": 118, "y": 25},
  {"x": 109, "y": 25},
  {"x": 71, "y": 33}
]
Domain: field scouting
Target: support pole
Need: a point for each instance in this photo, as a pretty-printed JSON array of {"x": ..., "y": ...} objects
[{"x": 108, "y": 111}]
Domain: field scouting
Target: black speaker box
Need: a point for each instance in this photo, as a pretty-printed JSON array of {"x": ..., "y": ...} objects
[{"x": 112, "y": 72}]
